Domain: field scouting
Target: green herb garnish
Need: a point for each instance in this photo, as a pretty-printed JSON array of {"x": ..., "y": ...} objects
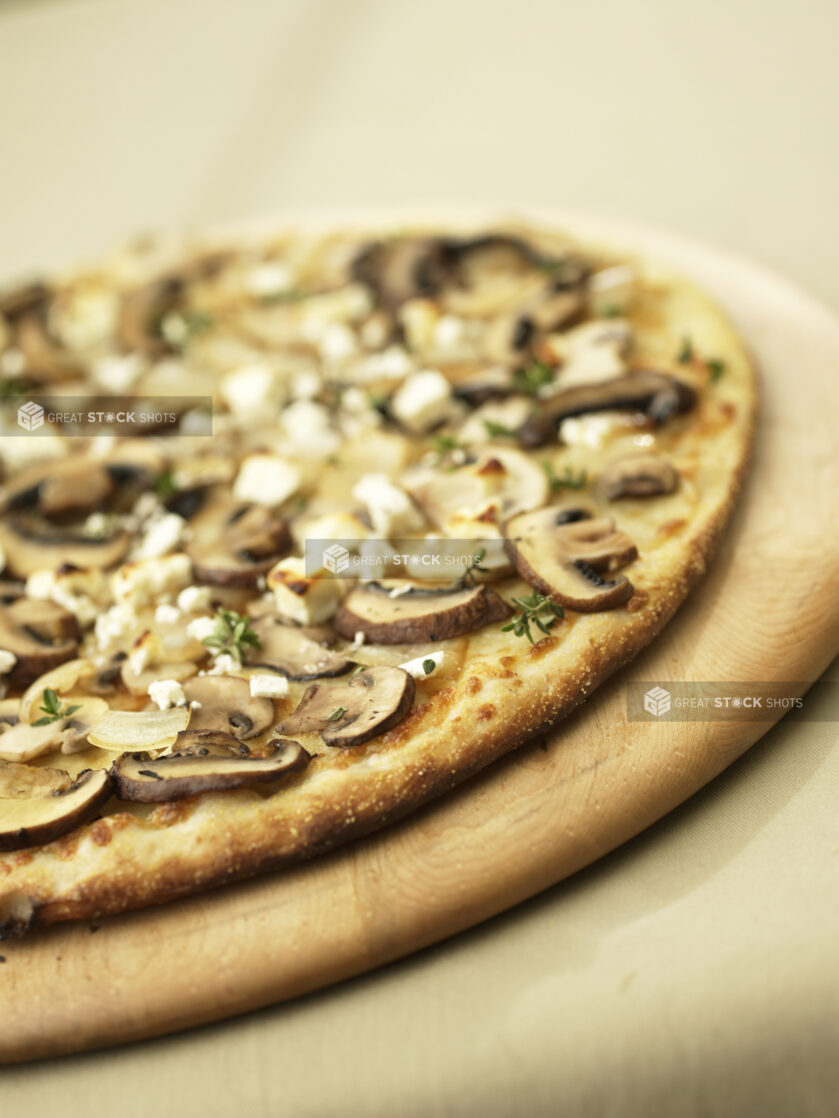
[
  {"x": 716, "y": 368},
  {"x": 686, "y": 352},
  {"x": 51, "y": 706},
  {"x": 337, "y": 714},
  {"x": 468, "y": 578},
  {"x": 428, "y": 666},
  {"x": 567, "y": 480},
  {"x": 164, "y": 485},
  {"x": 533, "y": 377},
  {"x": 289, "y": 295},
  {"x": 536, "y": 609},
  {"x": 499, "y": 430},
  {"x": 233, "y": 635}
]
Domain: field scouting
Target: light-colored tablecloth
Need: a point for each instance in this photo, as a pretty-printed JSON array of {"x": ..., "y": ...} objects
[{"x": 696, "y": 971}]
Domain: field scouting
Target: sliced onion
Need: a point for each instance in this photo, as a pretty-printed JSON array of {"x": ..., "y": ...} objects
[
  {"x": 61, "y": 679},
  {"x": 129, "y": 731}
]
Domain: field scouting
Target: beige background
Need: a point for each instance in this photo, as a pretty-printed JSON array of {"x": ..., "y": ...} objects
[{"x": 694, "y": 972}]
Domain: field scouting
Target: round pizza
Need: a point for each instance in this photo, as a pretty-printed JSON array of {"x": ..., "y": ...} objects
[{"x": 300, "y": 528}]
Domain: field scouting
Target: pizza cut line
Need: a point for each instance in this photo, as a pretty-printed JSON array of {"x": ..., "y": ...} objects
[{"x": 185, "y": 701}]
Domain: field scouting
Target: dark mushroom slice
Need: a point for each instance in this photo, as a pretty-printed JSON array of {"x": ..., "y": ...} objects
[
  {"x": 38, "y": 805},
  {"x": 227, "y": 705},
  {"x": 202, "y": 743},
  {"x": 139, "y": 779},
  {"x": 141, "y": 313},
  {"x": 40, "y": 635},
  {"x": 493, "y": 383},
  {"x": 11, "y": 590},
  {"x": 351, "y": 713},
  {"x": 564, "y": 558},
  {"x": 659, "y": 396},
  {"x": 44, "y": 358},
  {"x": 418, "y": 615},
  {"x": 32, "y": 545},
  {"x": 399, "y": 269},
  {"x": 233, "y": 543},
  {"x": 16, "y": 301},
  {"x": 638, "y": 475},
  {"x": 290, "y": 651}
]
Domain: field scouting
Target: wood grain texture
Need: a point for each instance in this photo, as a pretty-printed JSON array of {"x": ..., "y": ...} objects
[{"x": 768, "y": 609}]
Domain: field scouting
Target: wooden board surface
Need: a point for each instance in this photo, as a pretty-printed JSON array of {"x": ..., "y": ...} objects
[{"x": 768, "y": 609}]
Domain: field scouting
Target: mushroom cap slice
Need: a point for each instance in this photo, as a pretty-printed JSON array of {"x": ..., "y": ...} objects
[
  {"x": 38, "y": 805},
  {"x": 31, "y": 545},
  {"x": 419, "y": 615},
  {"x": 351, "y": 713},
  {"x": 658, "y": 395},
  {"x": 22, "y": 742},
  {"x": 563, "y": 558},
  {"x": 141, "y": 313},
  {"x": 399, "y": 269},
  {"x": 171, "y": 778},
  {"x": 233, "y": 543},
  {"x": 638, "y": 475},
  {"x": 293, "y": 653},
  {"x": 41, "y": 635},
  {"x": 227, "y": 704}
]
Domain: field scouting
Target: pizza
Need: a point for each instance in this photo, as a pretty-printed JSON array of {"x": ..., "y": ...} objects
[{"x": 233, "y": 643}]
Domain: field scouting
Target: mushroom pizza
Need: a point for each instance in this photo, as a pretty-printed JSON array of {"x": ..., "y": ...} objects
[{"x": 187, "y": 697}]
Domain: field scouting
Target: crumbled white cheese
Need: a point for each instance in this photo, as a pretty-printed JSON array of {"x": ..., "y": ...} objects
[
  {"x": 112, "y": 625},
  {"x": 266, "y": 479},
  {"x": 167, "y": 615},
  {"x": 162, "y": 536},
  {"x": 83, "y": 592},
  {"x": 7, "y": 661},
  {"x": 419, "y": 318},
  {"x": 351, "y": 303},
  {"x": 194, "y": 599},
  {"x": 423, "y": 401},
  {"x": 117, "y": 372},
  {"x": 305, "y": 384},
  {"x": 393, "y": 363},
  {"x": 337, "y": 344},
  {"x": 612, "y": 290},
  {"x": 450, "y": 335},
  {"x": 307, "y": 429},
  {"x": 307, "y": 599},
  {"x": 201, "y": 628},
  {"x": 591, "y": 352},
  {"x": 146, "y": 581},
  {"x": 268, "y": 686},
  {"x": 417, "y": 668},
  {"x": 391, "y": 510},
  {"x": 224, "y": 664},
  {"x": 144, "y": 652},
  {"x": 273, "y": 277},
  {"x": 335, "y": 526},
  {"x": 85, "y": 317},
  {"x": 250, "y": 389},
  {"x": 589, "y": 430},
  {"x": 167, "y": 693},
  {"x": 98, "y": 525}
]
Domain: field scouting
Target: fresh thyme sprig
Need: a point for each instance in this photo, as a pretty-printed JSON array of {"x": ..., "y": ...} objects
[
  {"x": 566, "y": 480},
  {"x": 51, "y": 706},
  {"x": 536, "y": 609},
  {"x": 533, "y": 377},
  {"x": 499, "y": 430},
  {"x": 468, "y": 578},
  {"x": 232, "y": 636}
]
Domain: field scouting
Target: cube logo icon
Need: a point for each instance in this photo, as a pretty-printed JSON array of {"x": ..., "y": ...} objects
[
  {"x": 336, "y": 558},
  {"x": 657, "y": 701},
  {"x": 30, "y": 416}
]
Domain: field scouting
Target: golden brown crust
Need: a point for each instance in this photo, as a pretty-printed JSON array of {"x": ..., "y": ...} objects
[{"x": 505, "y": 693}]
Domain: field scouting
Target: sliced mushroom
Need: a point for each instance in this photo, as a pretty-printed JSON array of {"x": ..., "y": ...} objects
[
  {"x": 227, "y": 705},
  {"x": 351, "y": 713},
  {"x": 38, "y": 805},
  {"x": 44, "y": 358},
  {"x": 496, "y": 485},
  {"x": 638, "y": 475},
  {"x": 399, "y": 269},
  {"x": 32, "y": 545},
  {"x": 22, "y": 742},
  {"x": 563, "y": 557},
  {"x": 658, "y": 395},
  {"x": 232, "y": 543},
  {"x": 138, "y": 326},
  {"x": 418, "y": 615},
  {"x": 73, "y": 487},
  {"x": 487, "y": 384},
  {"x": 292, "y": 652},
  {"x": 171, "y": 778},
  {"x": 41, "y": 636}
]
